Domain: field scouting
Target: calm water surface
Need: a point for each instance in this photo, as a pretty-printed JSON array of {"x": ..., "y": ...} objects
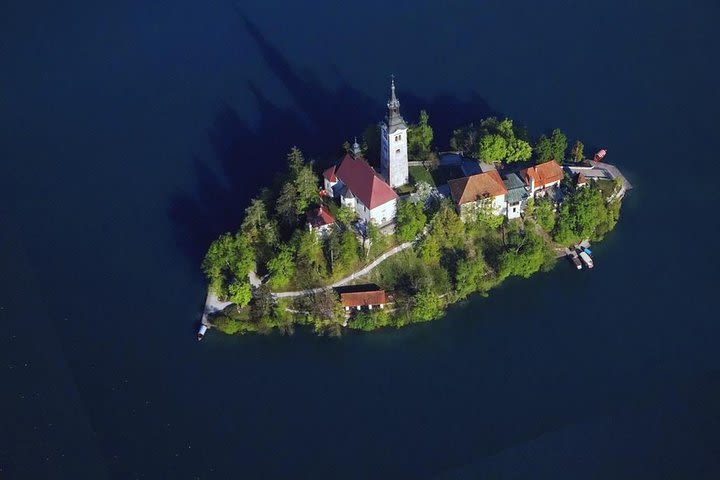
[{"x": 132, "y": 134}]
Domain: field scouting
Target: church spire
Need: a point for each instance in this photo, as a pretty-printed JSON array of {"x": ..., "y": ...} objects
[
  {"x": 355, "y": 150},
  {"x": 394, "y": 103},
  {"x": 394, "y": 119}
]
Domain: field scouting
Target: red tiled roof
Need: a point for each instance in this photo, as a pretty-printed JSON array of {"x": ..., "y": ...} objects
[
  {"x": 317, "y": 217},
  {"x": 475, "y": 187},
  {"x": 364, "y": 182},
  {"x": 544, "y": 174},
  {"x": 330, "y": 174},
  {"x": 361, "y": 299}
]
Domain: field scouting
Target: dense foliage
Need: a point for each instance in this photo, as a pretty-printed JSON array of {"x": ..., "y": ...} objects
[
  {"x": 552, "y": 148},
  {"x": 450, "y": 257},
  {"x": 420, "y": 136},
  {"x": 410, "y": 220},
  {"x": 586, "y": 213},
  {"x": 493, "y": 141}
]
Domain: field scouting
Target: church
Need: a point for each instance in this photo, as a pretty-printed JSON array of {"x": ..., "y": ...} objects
[{"x": 357, "y": 185}]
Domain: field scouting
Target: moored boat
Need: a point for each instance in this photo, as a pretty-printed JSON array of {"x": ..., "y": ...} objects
[
  {"x": 586, "y": 259},
  {"x": 201, "y": 332},
  {"x": 575, "y": 260}
]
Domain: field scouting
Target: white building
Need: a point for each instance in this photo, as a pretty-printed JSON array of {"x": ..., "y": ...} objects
[
  {"x": 393, "y": 144},
  {"x": 358, "y": 186},
  {"x": 480, "y": 191}
]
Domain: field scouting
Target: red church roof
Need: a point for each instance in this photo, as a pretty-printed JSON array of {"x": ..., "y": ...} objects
[
  {"x": 330, "y": 174},
  {"x": 364, "y": 182},
  {"x": 318, "y": 217}
]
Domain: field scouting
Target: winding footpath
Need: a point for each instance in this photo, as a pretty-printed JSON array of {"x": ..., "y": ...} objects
[
  {"x": 213, "y": 304},
  {"x": 350, "y": 277}
]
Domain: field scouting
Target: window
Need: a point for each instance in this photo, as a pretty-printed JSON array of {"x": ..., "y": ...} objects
[
  {"x": 398, "y": 137},
  {"x": 397, "y": 151}
]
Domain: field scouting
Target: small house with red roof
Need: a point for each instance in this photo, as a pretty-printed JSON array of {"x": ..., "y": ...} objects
[
  {"x": 482, "y": 190},
  {"x": 359, "y": 297},
  {"x": 360, "y": 187},
  {"x": 542, "y": 177},
  {"x": 320, "y": 220}
]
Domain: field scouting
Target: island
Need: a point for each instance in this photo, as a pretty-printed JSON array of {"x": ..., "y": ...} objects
[{"x": 352, "y": 247}]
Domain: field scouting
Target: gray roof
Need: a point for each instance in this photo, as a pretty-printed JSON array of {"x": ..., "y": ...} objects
[
  {"x": 513, "y": 181},
  {"x": 516, "y": 191},
  {"x": 394, "y": 120}
]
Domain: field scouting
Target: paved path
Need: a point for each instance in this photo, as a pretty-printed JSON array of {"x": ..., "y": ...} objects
[
  {"x": 350, "y": 277},
  {"x": 212, "y": 304}
]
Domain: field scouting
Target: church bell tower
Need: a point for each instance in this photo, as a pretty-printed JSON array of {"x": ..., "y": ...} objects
[{"x": 393, "y": 143}]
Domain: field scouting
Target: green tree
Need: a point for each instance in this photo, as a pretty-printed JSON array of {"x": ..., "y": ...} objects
[
  {"x": 580, "y": 214},
  {"x": 327, "y": 313},
  {"x": 240, "y": 292},
  {"x": 370, "y": 320},
  {"x": 285, "y": 206},
  {"x": 518, "y": 150},
  {"x": 346, "y": 215},
  {"x": 260, "y": 231},
  {"x": 376, "y": 240},
  {"x": 229, "y": 257},
  {"x": 559, "y": 145},
  {"x": 299, "y": 191},
  {"x": 577, "y": 153},
  {"x": 420, "y": 137},
  {"x": 545, "y": 214},
  {"x": 465, "y": 139},
  {"x": 469, "y": 276},
  {"x": 311, "y": 265},
  {"x": 447, "y": 227},
  {"x": 486, "y": 215},
  {"x": 262, "y": 303},
  {"x": 410, "y": 220},
  {"x": 430, "y": 250},
  {"x": 525, "y": 254},
  {"x": 281, "y": 267},
  {"x": 544, "y": 149},
  {"x": 426, "y": 306},
  {"x": 349, "y": 251},
  {"x": 492, "y": 148}
]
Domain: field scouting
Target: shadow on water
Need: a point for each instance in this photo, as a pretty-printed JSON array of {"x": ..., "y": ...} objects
[{"x": 247, "y": 156}]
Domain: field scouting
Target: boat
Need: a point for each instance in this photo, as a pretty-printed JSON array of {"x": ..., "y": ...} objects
[
  {"x": 201, "y": 332},
  {"x": 575, "y": 260},
  {"x": 587, "y": 250},
  {"x": 586, "y": 259}
]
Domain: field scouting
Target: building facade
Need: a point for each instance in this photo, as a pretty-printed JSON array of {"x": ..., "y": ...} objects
[
  {"x": 393, "y": 144},
  {"x": 359, "y": 187}
]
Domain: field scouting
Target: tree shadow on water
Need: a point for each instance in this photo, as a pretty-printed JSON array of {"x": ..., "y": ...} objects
[{"x": 248, "y": 157}]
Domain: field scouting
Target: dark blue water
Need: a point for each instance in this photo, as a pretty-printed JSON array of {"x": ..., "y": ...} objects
[{"x": 132, "y": 134}]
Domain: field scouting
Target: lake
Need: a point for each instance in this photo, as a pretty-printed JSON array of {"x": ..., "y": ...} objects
[{"x": 133, "y": 134}]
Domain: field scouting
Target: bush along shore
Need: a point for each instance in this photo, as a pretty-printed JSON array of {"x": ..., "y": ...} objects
[{"x": 451, "y": 252}]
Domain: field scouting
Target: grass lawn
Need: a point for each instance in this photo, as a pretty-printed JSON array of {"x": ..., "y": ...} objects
[
  {"x": 607, "y": 187},
  {"x": 421, "y": 174}
]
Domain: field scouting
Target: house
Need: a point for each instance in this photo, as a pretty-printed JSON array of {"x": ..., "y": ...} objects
[
  {"x": 516, "y": 197},
  {"x": 580, "y": 180},
  {"x": 478, "y": 191},
  {"x": 358, "y": 186},
  {"x": 320, "y": 220},
  {"x": 542, "y": 177},
  {"x": 358, "y": 297}
]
